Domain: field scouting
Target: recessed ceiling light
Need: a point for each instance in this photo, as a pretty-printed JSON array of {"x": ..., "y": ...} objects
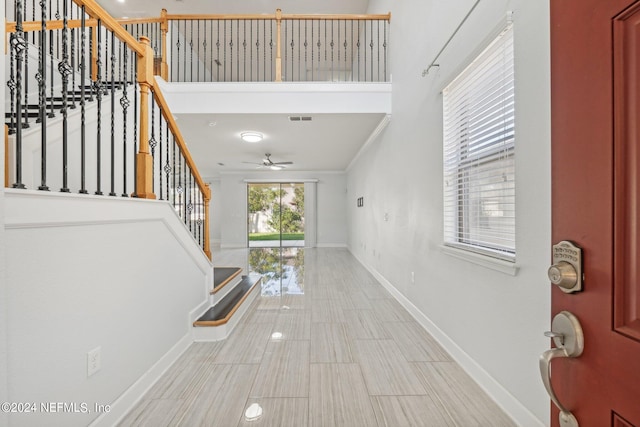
[
  {"x": 251, "y": 136},
  {"x": 212, "y": 124}
]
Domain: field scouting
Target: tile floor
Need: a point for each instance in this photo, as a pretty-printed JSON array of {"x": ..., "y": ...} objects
[{"x": 337, "y": 351}]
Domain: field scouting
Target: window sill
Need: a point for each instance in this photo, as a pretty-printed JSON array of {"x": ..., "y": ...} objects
[{"x": 502, "y": 266}]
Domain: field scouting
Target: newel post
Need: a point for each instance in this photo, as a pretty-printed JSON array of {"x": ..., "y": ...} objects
[
  {"x": 278, "y": 45},
  {"x": 164, "y": 28},
  {"x": 144, "y": 160},
  {"x": 207, "y": 218}
]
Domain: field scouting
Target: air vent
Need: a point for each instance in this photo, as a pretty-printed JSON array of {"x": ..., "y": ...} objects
[{"x": 300, "y": 118}]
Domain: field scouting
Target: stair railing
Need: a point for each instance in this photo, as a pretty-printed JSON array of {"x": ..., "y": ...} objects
[
  {"x": 268, "y": 47},
  {"x": 106, "y": 147}
]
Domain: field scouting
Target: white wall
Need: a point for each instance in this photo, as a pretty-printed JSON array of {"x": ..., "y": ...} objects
[
  {"x": 214, "y": 212},
  {"x": 86, "y": 272},
  {"x": 492, "y": 322},
  {"x": 331, "y": 201}
]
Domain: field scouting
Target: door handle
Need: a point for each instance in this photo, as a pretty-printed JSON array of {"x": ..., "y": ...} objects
[{"x": 569, "y": 340}]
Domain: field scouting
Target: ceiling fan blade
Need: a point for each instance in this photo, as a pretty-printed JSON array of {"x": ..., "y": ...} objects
[
  {"x": 283, "y": 163},
  {"x": 252, "y": 163}
]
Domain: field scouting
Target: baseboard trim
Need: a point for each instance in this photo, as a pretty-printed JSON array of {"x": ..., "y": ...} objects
[
  {"x": 127, "y": 400},
  {"x": 512, "y": 407}
]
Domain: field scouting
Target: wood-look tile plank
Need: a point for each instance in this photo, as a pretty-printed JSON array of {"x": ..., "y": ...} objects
[
  {"x": 294, "y": 324},
  {"x": 330, "y": 343},
  {"x": 279, "y": 412},
  {"x": 390, "y": 310},
  {"x": 415, "y": 343},
  {"x": 246, "y": 344},
  {"x": 222, "y": 399},
  {"x": 463, "y": 399},
  {"x": 410, "y": 411},
  {"x": 364, "y": 325},
  {"x": 327, "y": 313},
  {"x": 338, "y": 397},
  {"x": 385, "y": 370},
  {"x": 152, "y": 413},
  {"x": 284, "y": 371}
]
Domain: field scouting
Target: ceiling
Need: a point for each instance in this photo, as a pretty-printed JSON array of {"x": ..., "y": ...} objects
[{"x": 329, "y": 142}]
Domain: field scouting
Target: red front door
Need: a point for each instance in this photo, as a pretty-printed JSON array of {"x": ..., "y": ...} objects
[{"x": 595, "y": 91}]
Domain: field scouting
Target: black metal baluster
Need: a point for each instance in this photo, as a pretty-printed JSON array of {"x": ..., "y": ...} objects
[
  {"x": 224, "y": 51},
  {"x": 160, "y": 151},
  {"x": 134, "y": 67},
  {"x": 190, "y": 195},
  {"x": 153, "y": 142},
  {"x": 179, "y": 189},
  {"x": 65, "y": 70},
  {"x": 25, "y": 104},
  {"x": 198, "y": 54},
  {"x": 11, "y": 84},
  {"x": 332, "y": 45},
  {"x": 371, "y": 45},
  {"x": 18, "y": 47},
  {"x": 231, "y": 53},
  {"x": 124, "y": 103},
  {"x": 271, "y": 49},
  {"x": 41, "y": 77},
  {"x": 185, "y": 186},
  {"x": 378, "y": 50},
  {"x": 385, "y": 51},
  {"x": 312, "y": 58},
  {"x": 97, "y": 87},
  {"x": 358, "y": 44},
  {"x": 90, "y": 53},
  {"x": 306, "y": 44},
  {"x": 113, "y": 116},
  {"x": 325, "y": 42},
  {"x": 51, "y": 113},
  {"x": 244, "y": 46},
  {"x": 284, "y": 47},
  {"x": 251, "y": 50},
  {"x": 351, "y": 56},
  {"x": 177, "y": 59},
  {"x": 218, "y": 52},
  {"x": 173, "y": 174},
  {"x": 167, "y": 166},
  {"x": 73, "y": 65},
  {"x": 191, "y": 50},
  {"x": 238, "y": 53},
  {"x": 83, "y": 189},
  {"x": 204, "y": 51}
]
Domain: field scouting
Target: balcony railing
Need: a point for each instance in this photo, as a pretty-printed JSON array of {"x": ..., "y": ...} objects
[{"x": 260, "y": 48}]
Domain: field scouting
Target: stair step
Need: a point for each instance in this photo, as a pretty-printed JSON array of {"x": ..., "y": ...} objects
[
  {"x": 222, "y": 276},
  {"x": 220, "y": 313}
]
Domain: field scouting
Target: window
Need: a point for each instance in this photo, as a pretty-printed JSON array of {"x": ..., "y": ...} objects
[{"x": 479, "y": 173}]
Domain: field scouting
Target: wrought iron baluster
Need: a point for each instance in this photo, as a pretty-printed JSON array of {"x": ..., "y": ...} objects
[
  {"x": 173, "y": 174},
  {"x": 83, "y": 189},
  {"x": 238, "y": 53},
  {"x": 244, "y": 46},
  {"x": 25, "y": 104},
  {"x": 332, "y": 46},
  {"x": 41, "y": 77},
  {"x": 385, "y": 51},
  {"x": 97, "y": 88},
  {"x": 231, "y": 53},
  {"x": 371, "y": 45},
  {"x": 91, "y": 30},
  {"x": 358, "y": 44},
  {"x": 51, "y": 113},
  {"x": 167, "y": 166},
  {"x": 271, "y": 49},
  {"x": 179, "y": 189},
  {"x": 251, "y": 50},
  {"x": 204, "y": 51},
  {"x": 18, "y": 48},
  {"x": 73, "y": 64},
  {"x": 325, "y": 42},
  {"x": 160, "y": 120},
  {"x": 177, "y": 59},
  {"x": 306, "y": 44},
  {"x": 65, "y": 70},
  {"x": 113, "y": 116},
  {"x": 11, "y": 84},
  {"x": 191, "y": 50},
  {"x": 152, "y": 141},
  {"x": 124, "y": 103},
  {"x": 134, "y": 66},
  {"x": 189, "y": 194},
  {"x": 198, "y": 55}
]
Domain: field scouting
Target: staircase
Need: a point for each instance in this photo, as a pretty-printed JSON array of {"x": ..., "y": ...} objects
[{"x": 231, "y": 295}]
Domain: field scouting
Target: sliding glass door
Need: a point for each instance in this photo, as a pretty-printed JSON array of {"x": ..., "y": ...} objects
[{"x": 275, "y": 215}]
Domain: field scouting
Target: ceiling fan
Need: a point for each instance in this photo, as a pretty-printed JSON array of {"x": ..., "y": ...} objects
[{"x": 268, "y": 163}]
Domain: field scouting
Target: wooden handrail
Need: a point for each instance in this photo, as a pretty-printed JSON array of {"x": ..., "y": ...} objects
[
  {"x": 203, "y": 186},
  {"x": 214, "y": 17},
  {"x": 97, "y": 12}
]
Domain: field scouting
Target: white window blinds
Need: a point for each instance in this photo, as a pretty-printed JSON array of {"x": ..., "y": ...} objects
[{"x": 479, "y": 176}]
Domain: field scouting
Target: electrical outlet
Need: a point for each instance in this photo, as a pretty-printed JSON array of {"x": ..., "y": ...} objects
[{"x": 93, "y": 361}]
